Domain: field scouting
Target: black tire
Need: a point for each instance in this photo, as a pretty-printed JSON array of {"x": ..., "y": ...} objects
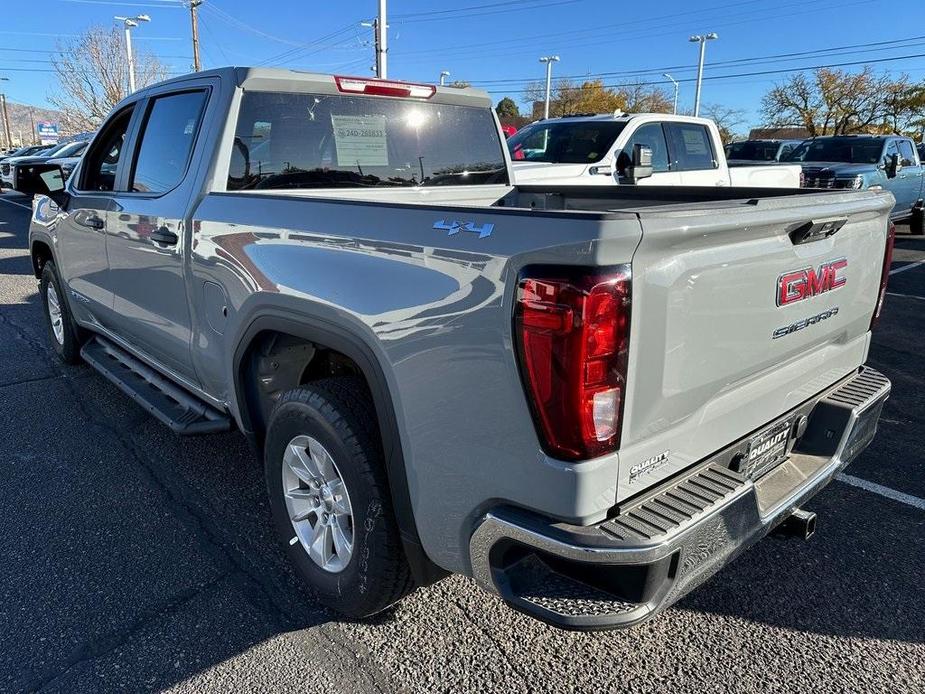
[
  {"x": 67, "y": 347},
  {"x": 917, "y": 221},
  {"x": 337, "y": 413}
]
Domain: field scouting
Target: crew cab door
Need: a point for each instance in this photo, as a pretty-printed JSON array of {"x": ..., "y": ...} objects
[
  {"x": 653, "y": 136},
  {"x": 146, "y": 236},
  {"x": 81, "y": 229}
]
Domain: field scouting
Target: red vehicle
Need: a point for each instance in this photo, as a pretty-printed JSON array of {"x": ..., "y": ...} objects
[{"x": 508, "y": 130}]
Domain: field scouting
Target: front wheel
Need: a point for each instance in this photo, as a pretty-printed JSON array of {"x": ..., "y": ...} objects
[
  {"x": 62, "y": 332},
  {"x": 330, "y": 497}
]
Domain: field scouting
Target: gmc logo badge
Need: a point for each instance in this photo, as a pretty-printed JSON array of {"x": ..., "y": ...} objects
[{"x": 797, "y": 285}]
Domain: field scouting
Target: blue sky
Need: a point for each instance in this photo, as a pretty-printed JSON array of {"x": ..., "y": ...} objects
[{"x": 494, "y": 43}]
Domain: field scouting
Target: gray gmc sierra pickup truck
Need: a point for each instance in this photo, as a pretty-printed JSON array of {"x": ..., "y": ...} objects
[{"x": 588, "y": 399}]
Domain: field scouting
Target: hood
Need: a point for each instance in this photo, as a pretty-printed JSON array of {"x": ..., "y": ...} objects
[
  {"x": 541, "y": 171},
  {"x": 60, "y": 161},
  {"x": 31, "y": 159},
  {"x": 836, "y": 168}
]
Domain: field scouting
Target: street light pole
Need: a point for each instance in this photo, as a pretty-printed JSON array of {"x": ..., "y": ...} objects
[
  {"x": 549, "y": 60},
  {"x": 130, "y": 23},
  {"x": 676, "y": 87},
  {"x": 702, "y": 40},
  {"x": 443, "y": 75}
]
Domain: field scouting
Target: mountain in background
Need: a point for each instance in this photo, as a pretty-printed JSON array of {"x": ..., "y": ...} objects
[{"x": 21, "y": 124}]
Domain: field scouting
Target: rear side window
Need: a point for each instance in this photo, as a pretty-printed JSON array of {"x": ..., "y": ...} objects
[
  {"x": 285, "y": 140},
  {"x": 691, "y": 146},
  {"x": 167, "y": 138}
]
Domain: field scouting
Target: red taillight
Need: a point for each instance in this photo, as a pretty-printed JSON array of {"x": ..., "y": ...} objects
[
  {"x": 375, "y": 87},
  {"x": 573, "y": 334},
  {"x": 884, "y": 273}
]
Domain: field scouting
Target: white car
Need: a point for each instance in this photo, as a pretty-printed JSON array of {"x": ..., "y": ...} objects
[{"x": 598, "y": 150}]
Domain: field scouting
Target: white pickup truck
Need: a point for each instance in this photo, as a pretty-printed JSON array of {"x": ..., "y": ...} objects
[{"x": 598, "y": 150}]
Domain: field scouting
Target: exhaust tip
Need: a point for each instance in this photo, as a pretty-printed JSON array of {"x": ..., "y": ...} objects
[{"x": 800, "y": 523}]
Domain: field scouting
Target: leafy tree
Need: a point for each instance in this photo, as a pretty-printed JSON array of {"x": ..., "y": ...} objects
[
  {"x": 837, "y": 102},
  {"x": 507, "y": 109},
  {"x": 93, "y": 76},
  {"x": 593, "y": 96}
]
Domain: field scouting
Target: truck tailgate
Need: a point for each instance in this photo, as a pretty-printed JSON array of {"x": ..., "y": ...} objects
[{"x": 713, "y": 357}]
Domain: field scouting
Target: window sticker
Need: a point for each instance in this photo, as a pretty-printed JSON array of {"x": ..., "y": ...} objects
[
  {"x": 360, "y": 140},
  {"x": 694, "y": 141}
]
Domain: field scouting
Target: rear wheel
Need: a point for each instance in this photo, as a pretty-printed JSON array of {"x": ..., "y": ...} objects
[
  {"x": 62, "y": 332},
  {"x": 330, "y": 498},
  {"x": 917, "y": 221}
]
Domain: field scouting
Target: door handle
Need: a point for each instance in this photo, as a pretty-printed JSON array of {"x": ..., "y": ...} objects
[
  {"x": 93, "y": 222},
  {"x": 165, "y": 236}
]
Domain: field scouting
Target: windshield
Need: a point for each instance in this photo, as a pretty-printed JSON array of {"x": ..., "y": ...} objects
[
  {"x": 557, "y": 142},
  {"x": 849, "y": 150},
  {"x": 286, "y": 140},
  {"x": 753, "y": 151}
]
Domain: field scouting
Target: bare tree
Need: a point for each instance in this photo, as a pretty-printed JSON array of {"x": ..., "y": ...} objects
[
  {"x": 92, "y": 73},
  {"x": 836, "y": 102},
  {"x": 727, "y": 119}
]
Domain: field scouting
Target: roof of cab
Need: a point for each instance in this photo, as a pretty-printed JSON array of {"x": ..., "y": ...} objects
[
  {"x": 620, "y": 117},
  {"x": 302, "y": 81}
]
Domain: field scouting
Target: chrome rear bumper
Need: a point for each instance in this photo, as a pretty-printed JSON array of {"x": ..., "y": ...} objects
[{"x": 665, "y": 543}]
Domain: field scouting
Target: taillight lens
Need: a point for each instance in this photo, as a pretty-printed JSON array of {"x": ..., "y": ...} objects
[
  {"x": 572, "y": 331},
  {"x": 884, "y": 273}
]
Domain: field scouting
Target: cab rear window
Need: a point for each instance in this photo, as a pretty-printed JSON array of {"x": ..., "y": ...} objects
[{"x": 291, "y": 141}]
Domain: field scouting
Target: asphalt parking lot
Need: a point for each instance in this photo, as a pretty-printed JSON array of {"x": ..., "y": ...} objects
[{"x": 136, "y": 560}]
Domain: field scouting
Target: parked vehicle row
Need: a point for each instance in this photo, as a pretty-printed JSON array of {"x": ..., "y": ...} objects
[
  {"x": 598, "y": 150},
  {"x": 588, "y": 398},
  {"x": 65, "y": 155}
]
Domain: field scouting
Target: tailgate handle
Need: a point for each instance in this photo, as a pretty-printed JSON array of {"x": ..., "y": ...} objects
[{"x": 815, "y": 231}]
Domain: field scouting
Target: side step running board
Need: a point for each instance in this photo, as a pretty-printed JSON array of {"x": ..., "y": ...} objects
[{"x": 175, "y": 407}]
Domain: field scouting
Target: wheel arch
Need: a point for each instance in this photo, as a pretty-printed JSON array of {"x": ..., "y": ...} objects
[
  {"x": 334, "y": 336},
  {"x": 40, "y": 253}
]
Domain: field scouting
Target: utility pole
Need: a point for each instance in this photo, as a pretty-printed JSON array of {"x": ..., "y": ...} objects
[
  {"x": 443, "y": 75},
  {"x": 549, "y": 60},
  {"x": 194, "y": 24},
  {"x": 382, "y": 42},
  {"x": 676, "y": 87},
  {"x": 702, "y": 40},
  {"x": 32, "y": 121},
  {"x": 374, "y": 24},
  {"x": 6, "y": 116},
  {"x": 130, "y": 23}
]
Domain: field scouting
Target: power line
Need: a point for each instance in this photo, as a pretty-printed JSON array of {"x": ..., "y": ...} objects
[
  {"x": 752, "y": 74},
  {"x": 779, "y": 57}
]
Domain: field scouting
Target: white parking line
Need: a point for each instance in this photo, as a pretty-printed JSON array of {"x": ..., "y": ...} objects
[
  {"x": 875, "y": 488},
  {"x": 906, "y": 267},
  {"x": 906, "y": 296},
  {"x": 18, "y": 204}
]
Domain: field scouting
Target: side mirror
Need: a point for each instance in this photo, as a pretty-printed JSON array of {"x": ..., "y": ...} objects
[
  {"x": 642, "y": 163},
  {"x": 41, "y": 179}
]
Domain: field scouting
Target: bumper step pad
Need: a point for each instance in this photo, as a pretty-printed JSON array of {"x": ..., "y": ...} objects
[
  {"x": 667, "y": 541},
  {"x": 175, "y": 407}
]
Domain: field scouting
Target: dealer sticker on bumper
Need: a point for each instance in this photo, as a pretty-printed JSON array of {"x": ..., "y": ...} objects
[{"x": 768, "y": 449}]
